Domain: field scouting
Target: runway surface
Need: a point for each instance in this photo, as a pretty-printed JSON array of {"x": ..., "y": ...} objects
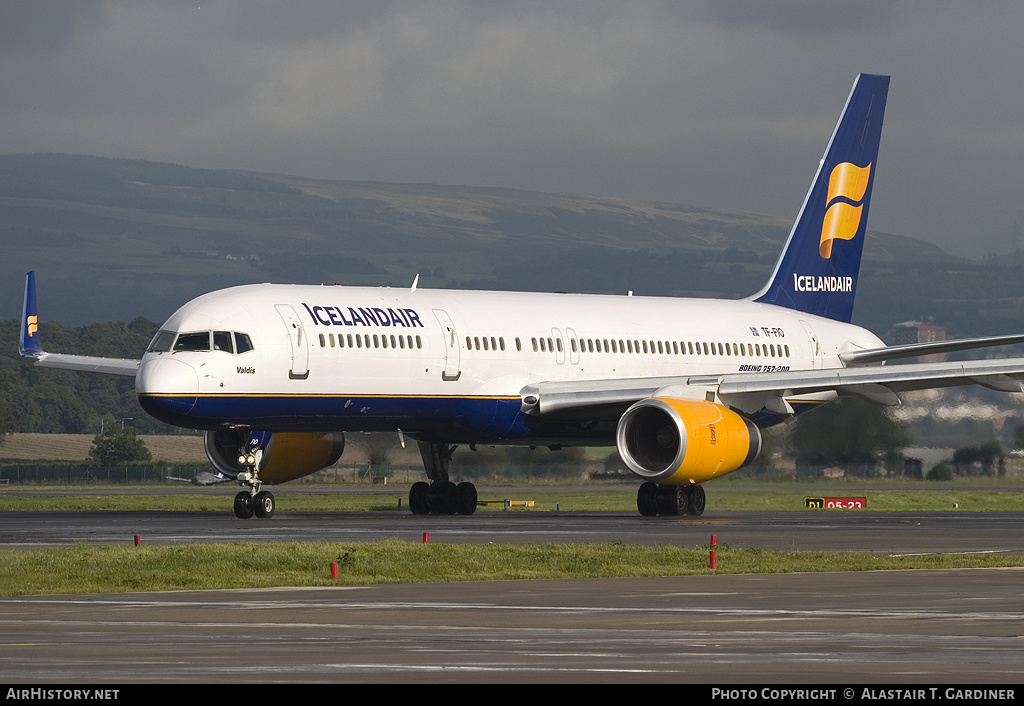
[
  {"x": 898, "y": 532},
  {"x": 934, "y": 627}
]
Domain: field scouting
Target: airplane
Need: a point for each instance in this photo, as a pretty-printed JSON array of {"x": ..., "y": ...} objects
[{"x": 276, "y": 374}]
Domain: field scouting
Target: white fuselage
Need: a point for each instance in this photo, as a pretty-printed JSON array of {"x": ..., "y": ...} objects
[{"x": 354, "y": 358}]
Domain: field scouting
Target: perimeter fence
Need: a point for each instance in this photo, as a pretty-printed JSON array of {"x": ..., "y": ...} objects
[{"x": 84, "y": 475}]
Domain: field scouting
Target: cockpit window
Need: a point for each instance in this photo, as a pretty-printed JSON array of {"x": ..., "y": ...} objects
[
  {"x": 161, "y": 342},
  {"x": 242, "y": 343},
  {"x": 222, "y": 341},
  {"x": 227, "y": 341},
  {"x": 193, "y": 342}
]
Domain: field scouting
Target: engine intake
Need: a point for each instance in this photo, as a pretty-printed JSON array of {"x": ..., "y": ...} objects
[{"x": 678, "y": 441}]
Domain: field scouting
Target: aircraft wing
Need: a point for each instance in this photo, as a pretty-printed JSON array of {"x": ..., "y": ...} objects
[{"x": 753, "y": 392}]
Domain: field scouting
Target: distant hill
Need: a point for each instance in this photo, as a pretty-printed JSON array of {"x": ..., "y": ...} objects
[{"x": 115, "y": 239}]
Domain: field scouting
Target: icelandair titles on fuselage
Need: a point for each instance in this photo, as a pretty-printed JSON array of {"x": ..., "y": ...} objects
[
  {"x": 360, "y": 316},
  {"x": 810, "y": 283}
]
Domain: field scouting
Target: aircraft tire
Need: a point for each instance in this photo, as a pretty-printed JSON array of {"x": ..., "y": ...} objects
[
  {"x": 646, "y": 499},
  {"x": 697, "y": 500},
  {"x": 672, "y": 500},
  {"x": 441, "y": 498},
  {"x": 465, "y": 498},
  {"x": 265, "y": 505},
  {"x": 418, "y": 504},
  {"x": 244, "y": 506}
]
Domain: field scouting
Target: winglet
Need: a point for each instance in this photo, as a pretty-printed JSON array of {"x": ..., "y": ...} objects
[{"x": 28, "y": 342}]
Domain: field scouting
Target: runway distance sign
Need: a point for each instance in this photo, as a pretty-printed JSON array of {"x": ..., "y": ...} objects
[{"x": 836, "y": 503}]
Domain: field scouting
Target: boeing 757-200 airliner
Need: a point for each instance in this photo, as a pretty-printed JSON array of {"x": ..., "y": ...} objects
[{"x": 275, "y": 374}]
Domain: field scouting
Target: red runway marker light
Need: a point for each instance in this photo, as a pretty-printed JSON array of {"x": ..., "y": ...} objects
[
  {"x": 138, "y": 541},
  {"x": 426, "y": 537},
  {"x": 334, "y": 569}
]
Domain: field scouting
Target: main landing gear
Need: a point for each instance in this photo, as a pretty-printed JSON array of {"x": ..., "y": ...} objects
[
  {"x": 654, "y": 499},
  {"x": 253, "y": 501},
  {"x": 440, "y": 496}
]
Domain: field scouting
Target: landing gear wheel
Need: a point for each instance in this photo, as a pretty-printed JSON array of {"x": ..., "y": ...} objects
[
  {"x": 465, "y": 498},
  {"x": 441, "y": 498},
  {"x": 418, "y": 498},
  {"x": 696, "y": 501},
  {"x": 265, "y": 505},
  {"x": 646, "y": 499},
  {"x": 672, "y": 500},
  {"x": 243, "y": 505}
]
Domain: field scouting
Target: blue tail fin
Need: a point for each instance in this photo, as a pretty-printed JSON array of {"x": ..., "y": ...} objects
[
  {"x": 28, "y": 342},
  {"x": 817, "y": 272}
]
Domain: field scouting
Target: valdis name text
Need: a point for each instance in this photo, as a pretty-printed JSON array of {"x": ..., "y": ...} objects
[{"x": 864, "y": 693}]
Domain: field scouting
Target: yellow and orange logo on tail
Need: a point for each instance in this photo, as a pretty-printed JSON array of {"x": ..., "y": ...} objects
[
  {"x": 841, "y": 218},
  {"x": 32, "y": 325}
]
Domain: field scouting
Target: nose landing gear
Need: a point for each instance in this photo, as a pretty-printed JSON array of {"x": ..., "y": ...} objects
[{"x": 253, "y": 501}]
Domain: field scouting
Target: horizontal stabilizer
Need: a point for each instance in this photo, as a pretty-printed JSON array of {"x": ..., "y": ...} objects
[{"x": 29, "y": 344}]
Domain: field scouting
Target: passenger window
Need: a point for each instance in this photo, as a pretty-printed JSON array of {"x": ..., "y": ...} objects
[
  {"x": 193, "y": 342},
  {"x": 162, "y": 342}
]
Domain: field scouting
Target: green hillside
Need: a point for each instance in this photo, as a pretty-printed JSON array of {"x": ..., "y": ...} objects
[{"x": 114, "y": 239}]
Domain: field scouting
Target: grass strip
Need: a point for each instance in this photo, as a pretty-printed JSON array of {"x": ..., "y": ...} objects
[{"x": 85, "y": 568}]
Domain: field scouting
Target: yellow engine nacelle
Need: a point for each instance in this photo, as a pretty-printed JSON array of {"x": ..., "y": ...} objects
[
  {"x": 288, "y": 455},
  {"x": 677, "y": 442}
]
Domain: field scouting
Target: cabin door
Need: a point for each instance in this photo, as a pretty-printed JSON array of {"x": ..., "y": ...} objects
[
  {"x": 452, "y": 355},
  {"x": 297, "y": 336},
  {"x": 815, "y": 345}
]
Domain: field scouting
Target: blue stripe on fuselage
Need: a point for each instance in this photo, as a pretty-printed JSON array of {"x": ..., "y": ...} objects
[
  {"x": 451, "y": 419},
  {"x": 483, "y": 420}
]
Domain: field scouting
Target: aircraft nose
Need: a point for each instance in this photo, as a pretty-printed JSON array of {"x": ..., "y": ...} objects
[{"x": 167, "y": 388}]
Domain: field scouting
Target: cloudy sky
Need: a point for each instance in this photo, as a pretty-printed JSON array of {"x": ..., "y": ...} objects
[{"x": 715, "y": 103}]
